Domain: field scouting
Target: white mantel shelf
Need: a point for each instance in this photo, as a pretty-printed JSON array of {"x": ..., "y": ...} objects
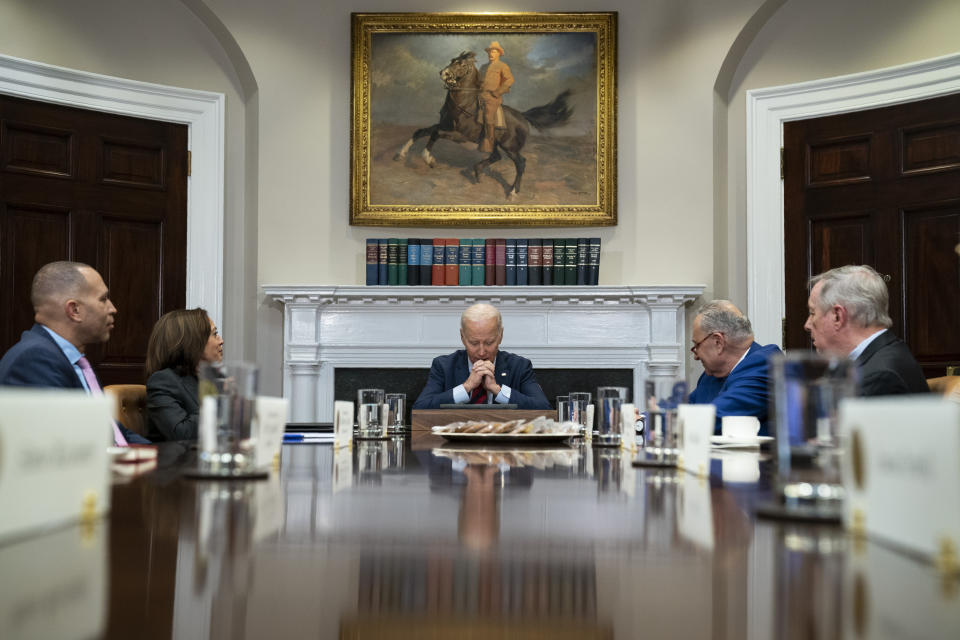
[{"x": 624, "y": 327}]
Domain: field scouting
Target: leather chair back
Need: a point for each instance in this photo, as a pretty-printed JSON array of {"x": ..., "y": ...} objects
[{"x": 131, "y": 407}]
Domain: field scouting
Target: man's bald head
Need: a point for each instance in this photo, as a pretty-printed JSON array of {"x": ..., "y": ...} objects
[{"x": 57, "y": 282}]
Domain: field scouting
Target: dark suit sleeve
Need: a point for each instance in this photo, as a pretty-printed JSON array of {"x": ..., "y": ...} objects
[
  {"x": 41, "y": 368},
  {"x": 167, "y": 409},
  {"x": 525, "y": 392},
  {"x": 434, "y": 392},
  {"x": 883, "y": 382}
]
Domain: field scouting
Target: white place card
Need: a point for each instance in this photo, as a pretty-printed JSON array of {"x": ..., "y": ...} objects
[
  {"x": 270, "y": 422},
  {"x": 342, "y": 423},
  {"x": 55, "y": 585},
  {"x": 695, "y": 422},
  {"x": 628, "y": 427},
  {"x": 901, "y": 473},
  {"x": 54, "y": 466}
]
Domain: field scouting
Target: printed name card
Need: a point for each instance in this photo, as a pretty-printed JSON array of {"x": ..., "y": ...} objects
[
  {"x": 342, "y": 423},
  {"x": 695, "y": 422},
  {"x": 54, "y": 466},
  {"x": 271, "y": 421},
  {"x": 901, "y": 474}
]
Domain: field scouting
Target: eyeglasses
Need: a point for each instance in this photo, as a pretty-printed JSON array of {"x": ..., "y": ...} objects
[{"x": 694, "y": 348}]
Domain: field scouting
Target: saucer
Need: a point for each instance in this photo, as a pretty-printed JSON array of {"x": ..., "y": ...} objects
[{"x": 739, "y": 442}]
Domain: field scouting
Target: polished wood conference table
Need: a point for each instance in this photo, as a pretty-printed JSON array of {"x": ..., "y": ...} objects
[{"x": 387, "y": 540}]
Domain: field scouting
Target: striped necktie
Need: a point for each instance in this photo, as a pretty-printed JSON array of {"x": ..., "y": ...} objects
[{"x": 95, "y": 389}]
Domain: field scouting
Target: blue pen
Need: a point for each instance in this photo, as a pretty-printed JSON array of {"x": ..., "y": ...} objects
[{"x": 306, "y": 437}]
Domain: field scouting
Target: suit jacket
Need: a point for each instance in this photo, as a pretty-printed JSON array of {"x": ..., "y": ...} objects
[
  {"x": 744, "y": 392},
  {"x": 37, "y": 361},
  {"x": 449, "y": 371},
  {"x": 172, "y": 406},
  {"x": 887, "y": 367}
]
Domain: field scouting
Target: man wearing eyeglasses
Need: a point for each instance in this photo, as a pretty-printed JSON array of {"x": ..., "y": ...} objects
[{"x": 736, "y": 370}]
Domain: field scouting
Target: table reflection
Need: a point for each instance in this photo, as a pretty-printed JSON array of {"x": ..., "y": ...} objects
[{"x": 382, "y": 540}]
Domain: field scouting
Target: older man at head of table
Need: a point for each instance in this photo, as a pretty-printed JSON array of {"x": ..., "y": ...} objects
[
  {"x": 848, "y": 318},
  {"x": 481, "y": 372},
  {"x": 72, "y": 310},
  {"x": 736, "y": 370}
]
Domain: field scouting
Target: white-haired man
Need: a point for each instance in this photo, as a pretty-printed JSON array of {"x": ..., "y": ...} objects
[
  {"x": 736, "y": 370},
  {"x": 848, "y": 318},
  {"x": 480, "y": 373}
]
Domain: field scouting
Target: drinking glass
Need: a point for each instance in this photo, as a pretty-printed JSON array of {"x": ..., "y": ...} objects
[
  {"x": 608, "y": 426},
  {"x": 370, "y": 419},
  {"x": 563, "y": 408},
  {"x": 807, "y": 390},
  {"x": 396, "y": 404},
  {"x": 579, "y": 400},
  {"x": 227, "y": 392},
  {"x": 661, "y": 433}
]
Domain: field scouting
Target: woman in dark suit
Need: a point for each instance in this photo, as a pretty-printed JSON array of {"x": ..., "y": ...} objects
[{"x": 179, "y": 342}]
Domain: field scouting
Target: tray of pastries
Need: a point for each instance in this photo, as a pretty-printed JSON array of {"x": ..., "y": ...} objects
[{"x": 539, "y": 430}]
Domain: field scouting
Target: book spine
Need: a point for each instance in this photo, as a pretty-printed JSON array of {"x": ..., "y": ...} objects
[
  {"x": 402, "y": 261},
  {"x": 534, "y": 261},
  {"x": 373, "y": 257},
  {"x": 426, "y": 261},
  {"x": 464, "y": 260},
  {"x": 452, "y": 262},
  {"x": 582, "y": 250},
  {"x": 413, "y": 262},
  {"x": 570, "y": 261},
  {"x": 593, "y": 262},
  {"x": 490, "y": 262},
  {"x": 393, "y": 254},
  {"x": 523, "y": 259},
  {"x": 559, "y": 260},
  {"x": 500, "y": 266},
  {"x": 439, "y": 255},
  {"x": 547, "y": 262},
  {"x": 478, "y": 262},
  {"x": 382, "y": 266},
  {"x": 511, "y": 266}
]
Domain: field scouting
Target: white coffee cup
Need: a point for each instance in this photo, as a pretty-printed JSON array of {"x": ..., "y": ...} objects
[{"x": 740, "y": 426}]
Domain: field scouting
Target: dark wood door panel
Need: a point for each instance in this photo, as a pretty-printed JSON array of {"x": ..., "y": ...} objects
[
  {"x": 123, "y": 182},
  {"x": 839, "y": 240},
  {"x": 932, "y": 283},
  {"x": 49, "y": 229}
]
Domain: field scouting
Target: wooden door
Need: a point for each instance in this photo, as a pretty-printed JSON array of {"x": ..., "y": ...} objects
[
  {"x": 107, "y": 190},
  {"x": 880, "y": 187}
]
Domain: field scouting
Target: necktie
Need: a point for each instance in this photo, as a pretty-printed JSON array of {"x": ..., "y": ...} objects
[
  {"x": 478, "y": 395},
  {"x": 95, "y": 389}
]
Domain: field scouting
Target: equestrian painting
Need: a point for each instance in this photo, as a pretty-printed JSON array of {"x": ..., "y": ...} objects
[{"x": 483, "y": 128}]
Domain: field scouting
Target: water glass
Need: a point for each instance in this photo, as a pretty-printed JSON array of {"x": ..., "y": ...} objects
[
  {"x": 396, "y": 407},
  {"x": 563, "y": 408},
  {"x": 661, "y": 428},
  {"x": 608, "y": 426},
  {"x": 227, "y": 393},
  {"x": 621, "y": 392},
  {"x": 579, "y": 401},
  {"x": 807, "y": 390},
  {"x": 371, "y": 422}
]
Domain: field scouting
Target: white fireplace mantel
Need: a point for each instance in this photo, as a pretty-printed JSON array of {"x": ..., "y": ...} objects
[{"x": 623, "y": 327}]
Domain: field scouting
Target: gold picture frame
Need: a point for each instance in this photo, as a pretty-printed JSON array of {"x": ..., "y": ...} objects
[{"x": 559, "y": 117}]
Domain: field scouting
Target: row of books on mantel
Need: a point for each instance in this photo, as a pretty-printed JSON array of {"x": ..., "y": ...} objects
[{"x": 483, "y": 261}]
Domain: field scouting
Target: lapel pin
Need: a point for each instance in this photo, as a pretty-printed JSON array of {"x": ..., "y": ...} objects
[{"x": 503, "y": 373}]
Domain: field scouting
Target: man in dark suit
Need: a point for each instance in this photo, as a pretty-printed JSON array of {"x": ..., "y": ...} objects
[
  {"x": 736, "y": 370},
  {"x": 481, "y": 373},
  {"x": 72, "y": 309},
  {"x": 848, "y": 317}
]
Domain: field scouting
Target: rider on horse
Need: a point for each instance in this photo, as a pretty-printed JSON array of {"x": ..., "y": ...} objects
[{"x": 496, "y": 81}]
